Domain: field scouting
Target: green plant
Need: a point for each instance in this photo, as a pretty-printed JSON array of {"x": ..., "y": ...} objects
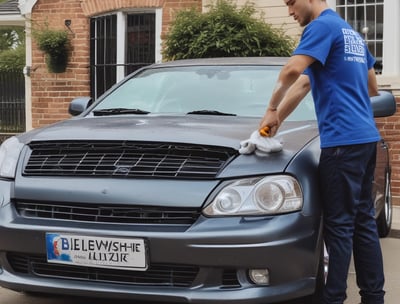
[
  {"x": 11, "y": 37},
  {"x": 55, "y": 44},
  {"x": 13, "y": 59},
  {"x": 225, "y": 30}
]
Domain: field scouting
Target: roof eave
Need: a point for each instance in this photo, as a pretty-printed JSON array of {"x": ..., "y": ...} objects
[{"x": 15, "y": 19}]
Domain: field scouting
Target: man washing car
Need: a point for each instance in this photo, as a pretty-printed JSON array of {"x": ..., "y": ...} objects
[{"x": 334, "y": 61}]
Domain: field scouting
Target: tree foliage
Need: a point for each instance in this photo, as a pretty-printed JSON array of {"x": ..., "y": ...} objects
[
  {"x": 11, "y": 37},
  {"x": 224, "y": 31},
  {"x": 13, "y": 59},
  {"x": 12, "y": 48}
]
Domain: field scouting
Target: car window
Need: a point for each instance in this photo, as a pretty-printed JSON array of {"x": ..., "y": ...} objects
[{"x": 239, "y": 90}]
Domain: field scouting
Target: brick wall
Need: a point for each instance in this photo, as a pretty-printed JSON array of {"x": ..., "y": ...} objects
[
  {"x": 51, "y": 93},
  {"x": 390, "y": 130}
]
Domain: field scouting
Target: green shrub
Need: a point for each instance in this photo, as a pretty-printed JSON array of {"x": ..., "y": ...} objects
[
  {"x": 13, "y": 59},
  {"x": 224, "y": 31}
]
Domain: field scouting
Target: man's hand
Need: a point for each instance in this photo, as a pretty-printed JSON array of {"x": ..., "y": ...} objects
[{"x": 270, "y": 121}]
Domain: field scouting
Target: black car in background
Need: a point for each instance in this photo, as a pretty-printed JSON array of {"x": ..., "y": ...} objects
[{"x": 143, "y": 195}]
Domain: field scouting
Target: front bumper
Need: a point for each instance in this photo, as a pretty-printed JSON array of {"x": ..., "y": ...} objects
[{"x": 217, "y": 251}]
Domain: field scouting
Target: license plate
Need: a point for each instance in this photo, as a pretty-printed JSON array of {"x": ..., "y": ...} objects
[{"x": 93, "y": 251}]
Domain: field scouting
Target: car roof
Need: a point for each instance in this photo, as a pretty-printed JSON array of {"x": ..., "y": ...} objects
[{"x": 278, "y": 61}]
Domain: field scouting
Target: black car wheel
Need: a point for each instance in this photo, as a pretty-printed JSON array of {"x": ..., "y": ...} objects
[{"x": 384, "y": 220}]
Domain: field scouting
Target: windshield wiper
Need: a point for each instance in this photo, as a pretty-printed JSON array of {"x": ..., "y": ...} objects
[
  {"x": 118, "y": 111},
  {"x": 210, "y": 112}
]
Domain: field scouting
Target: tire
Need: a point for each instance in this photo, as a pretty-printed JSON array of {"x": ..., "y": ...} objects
[{"x": 384, "y": 219}]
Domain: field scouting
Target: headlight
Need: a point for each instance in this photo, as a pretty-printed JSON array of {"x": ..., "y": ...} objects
[
  {"x": 9, "y": 154},
  {"x": 257, "y": 196}
]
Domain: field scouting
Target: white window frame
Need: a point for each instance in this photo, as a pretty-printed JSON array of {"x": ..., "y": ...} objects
[
  {"x": 391, "y": 38},
  {"x": 121, "y": 38}
]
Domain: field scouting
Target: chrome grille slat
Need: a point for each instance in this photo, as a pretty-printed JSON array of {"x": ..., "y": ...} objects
[
  {"x": 107, "y": 213},
  {"x": 126, "y": 159}
]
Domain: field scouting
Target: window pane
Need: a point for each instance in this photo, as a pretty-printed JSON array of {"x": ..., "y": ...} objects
[
  {"x": 378, "y": 55},
  {"x": 351, "y": 17},
  {"x": 341, "y": 11},
  {"x": 140, "y": 41},
  {"x": 360, "y": 20},
  {"x": 371, "y": 25},
  {"x": 103, "y": 56},
  {"x": 379, "y": 22},
  {"x": 379, "y": 50}
]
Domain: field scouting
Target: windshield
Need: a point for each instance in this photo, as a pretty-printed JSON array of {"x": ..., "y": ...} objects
[{"x": 214, "y": 90}]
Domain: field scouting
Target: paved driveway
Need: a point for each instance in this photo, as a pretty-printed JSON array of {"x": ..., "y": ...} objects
[{"x": 391, "y": 250}]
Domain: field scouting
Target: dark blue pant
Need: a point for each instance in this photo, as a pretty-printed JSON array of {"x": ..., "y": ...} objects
[{"x": 346, "y": 175}]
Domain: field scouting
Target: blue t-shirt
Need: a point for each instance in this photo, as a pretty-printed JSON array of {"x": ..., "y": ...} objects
[{"x": 339, "y": 81}]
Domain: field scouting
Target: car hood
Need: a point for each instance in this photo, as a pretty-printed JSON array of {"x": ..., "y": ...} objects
[
  {"x": 224, "y": 131},
  {"x": 221, "y": 131}
]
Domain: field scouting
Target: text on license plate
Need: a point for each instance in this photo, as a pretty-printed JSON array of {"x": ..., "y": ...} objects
[{"x": 107, "y": 252}]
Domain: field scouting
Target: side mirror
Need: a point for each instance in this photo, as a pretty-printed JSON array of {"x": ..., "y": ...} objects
[
  {"x": 79, "y": 105},
  {"x": 384, "y": 104}
]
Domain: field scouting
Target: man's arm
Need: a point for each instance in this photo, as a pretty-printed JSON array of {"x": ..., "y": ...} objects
[
  {"x": 287, "y": 77},
  {"x": 293, "y": 97}
]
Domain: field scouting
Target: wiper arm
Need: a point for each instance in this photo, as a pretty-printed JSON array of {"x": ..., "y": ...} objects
[
  {"x": 118, "y": 111},
  {"x": 211, "y": 112}
]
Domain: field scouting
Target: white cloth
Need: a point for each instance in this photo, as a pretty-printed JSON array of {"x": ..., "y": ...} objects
[{"x": 260, "y": 145}]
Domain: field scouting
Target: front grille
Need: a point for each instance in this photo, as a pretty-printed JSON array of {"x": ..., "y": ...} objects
[
  {"x": 126, "y": 159},
  {"x": 120, "y": 214},
  {"x": 157, "y": 274}
]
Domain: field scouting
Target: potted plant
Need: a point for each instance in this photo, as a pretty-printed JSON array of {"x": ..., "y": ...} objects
[{"x": 55, "y": 44}]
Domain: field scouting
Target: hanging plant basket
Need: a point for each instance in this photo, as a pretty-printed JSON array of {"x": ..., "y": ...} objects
[
  {"x": 55, "y": 44},
  {"x": 56, "y": 63}
]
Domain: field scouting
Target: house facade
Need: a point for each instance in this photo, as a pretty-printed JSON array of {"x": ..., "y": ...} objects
[{"x": 110, "y": 39}]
